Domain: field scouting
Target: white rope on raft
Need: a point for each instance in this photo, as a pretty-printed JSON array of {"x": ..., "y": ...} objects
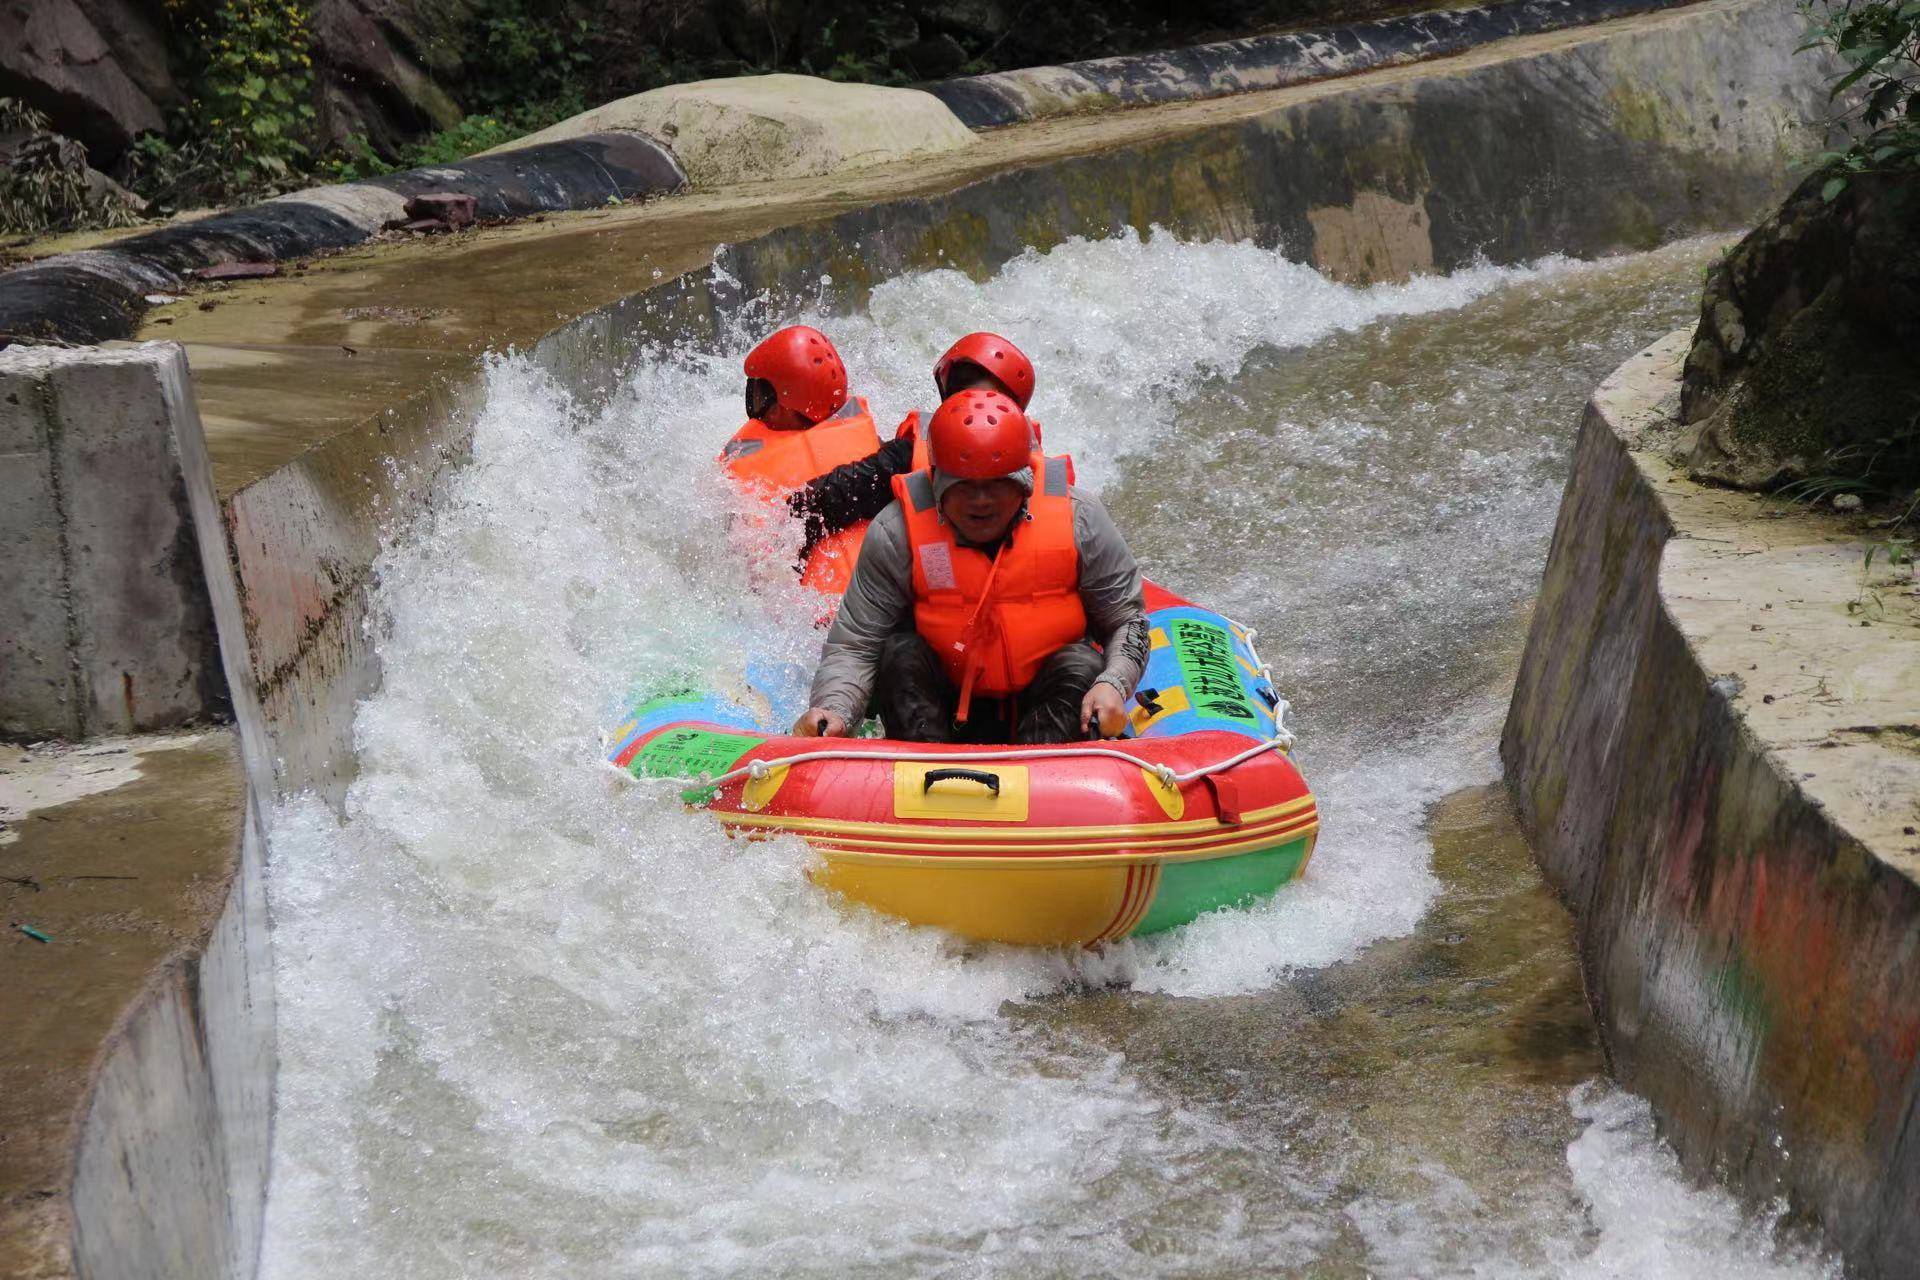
[
  {"x": 757, "y": 769},
  {"x": 1165, "y": 773}
]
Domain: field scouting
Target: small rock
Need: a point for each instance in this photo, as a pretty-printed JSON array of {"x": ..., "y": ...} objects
[
  {"x": 451, "y": 207},
  {"x": 236, "y": 271},
  {"x": 1846, "y": 502}
]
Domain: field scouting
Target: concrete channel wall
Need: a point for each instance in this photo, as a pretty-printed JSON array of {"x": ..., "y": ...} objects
[
  {"x": 1713, "y": 741},
  {"x": 1612, "y": 138}
]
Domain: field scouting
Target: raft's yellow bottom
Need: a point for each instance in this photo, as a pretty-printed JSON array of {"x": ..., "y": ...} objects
[{"x": 1053, "y": 901}]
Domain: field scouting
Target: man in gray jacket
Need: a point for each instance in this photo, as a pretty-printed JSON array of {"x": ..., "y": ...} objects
[{"x": 976, "y": 596}]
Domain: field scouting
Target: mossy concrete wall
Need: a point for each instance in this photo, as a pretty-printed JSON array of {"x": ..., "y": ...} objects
[
  {"x": 136, "y": 1081},
  {"x": 1715, "y": 741}
]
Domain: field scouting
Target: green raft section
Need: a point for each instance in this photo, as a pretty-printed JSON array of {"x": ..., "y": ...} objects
[{"x": 1188, "y": 890}]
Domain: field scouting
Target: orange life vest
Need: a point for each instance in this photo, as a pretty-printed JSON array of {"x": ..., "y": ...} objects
[
  {"x": 993, "y": 620},
  {"x": 774, "y": 463}
]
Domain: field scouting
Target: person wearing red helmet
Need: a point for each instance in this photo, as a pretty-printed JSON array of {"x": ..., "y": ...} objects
[
  {"x": 801, "y": 424},
  {"x": 979, "y": 594},
  {"x": 860, "y": 490}
]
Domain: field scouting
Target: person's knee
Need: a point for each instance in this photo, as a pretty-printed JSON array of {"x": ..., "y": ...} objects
[
  {"x": 912, "y": 693},
  {"x": 1072, "y": 667}
]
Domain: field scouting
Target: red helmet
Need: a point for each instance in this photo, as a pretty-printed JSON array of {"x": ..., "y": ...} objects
[
  {"x": 997, "y": 356},
  {"x": 803, "y": 369},
  {"x": 979, "y": 435}
]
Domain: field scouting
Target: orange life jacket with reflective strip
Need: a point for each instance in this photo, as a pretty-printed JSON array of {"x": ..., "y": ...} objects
[
  {"x": 993, "y": 620},
  {"x": 775, "y": 463}
]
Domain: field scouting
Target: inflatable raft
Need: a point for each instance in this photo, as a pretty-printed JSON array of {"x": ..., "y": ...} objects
[{"x": 1198, "y": 807}]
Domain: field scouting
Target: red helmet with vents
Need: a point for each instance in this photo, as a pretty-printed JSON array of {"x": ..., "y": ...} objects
[
  {"x": 803, "y": 370},
  {"x": 993, "y": 353},
  {"x": 979, "y": 435}
]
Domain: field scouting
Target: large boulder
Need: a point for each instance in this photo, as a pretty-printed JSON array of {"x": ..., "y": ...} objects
[
  {"x": 1803, "y": 362},
  {"x": 757, "y": 128},
  {"x": 384, "y": 67},
  {"x": 96, "y": 68}
]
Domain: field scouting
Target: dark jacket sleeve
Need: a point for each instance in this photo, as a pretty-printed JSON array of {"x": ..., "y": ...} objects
[{"x": 852, "y": 492}]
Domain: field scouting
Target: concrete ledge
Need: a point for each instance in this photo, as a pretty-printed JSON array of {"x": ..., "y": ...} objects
[
  {"x": 127, "y": 1063},
  {"x": 1718, "y": 754},
  {"x": 108, "y": 626},
  {"x": 1261, "y": 62},
  {"x": 98, "y": 295},
  {"x": 761, "y": 128},
  {"x": 135, "y": 1090}
]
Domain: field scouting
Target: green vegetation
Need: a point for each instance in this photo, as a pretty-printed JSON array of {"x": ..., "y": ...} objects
[
  {"x": 1850, "y": 361},
  {"x": 247, "y": 127},
  {"x": 1879, "y": 40},
  {"x": 46, "y": 187}
]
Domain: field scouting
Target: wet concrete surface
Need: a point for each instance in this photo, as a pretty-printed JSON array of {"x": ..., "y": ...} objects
[{"x": 118, "y": 854}]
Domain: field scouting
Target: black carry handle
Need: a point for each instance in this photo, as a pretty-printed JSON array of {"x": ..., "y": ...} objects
[{"x": 991, "y": 781}]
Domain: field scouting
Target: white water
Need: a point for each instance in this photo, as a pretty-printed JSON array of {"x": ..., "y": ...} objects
[{"x": 536, "y": 1023}]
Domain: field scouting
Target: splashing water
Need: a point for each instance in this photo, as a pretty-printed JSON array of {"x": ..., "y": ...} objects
[{"x": 537, "y": 1023}]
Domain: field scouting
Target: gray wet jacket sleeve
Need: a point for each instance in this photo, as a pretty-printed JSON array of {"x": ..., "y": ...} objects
[
  {"x": 1112, "y": 592},
  {"x": 879, "y": 602}
]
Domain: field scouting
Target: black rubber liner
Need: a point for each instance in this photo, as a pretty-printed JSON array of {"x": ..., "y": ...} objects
[
  {"x": 99, "y": 295},
  {"x": 1271, "y": 61}
]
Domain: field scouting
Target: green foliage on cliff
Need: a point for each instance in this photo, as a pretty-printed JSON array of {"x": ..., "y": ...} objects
[
  {"x": 249, "y": 70},
  {"x": 1879, "y": 41}
]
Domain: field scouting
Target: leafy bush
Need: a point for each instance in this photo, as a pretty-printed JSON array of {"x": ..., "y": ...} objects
[
  {"x": 526, "y": 53},
  {"x": 1879, "y": 40},
  {"x": 247, "y": 128},
  {"x": 45, "y": 186}
]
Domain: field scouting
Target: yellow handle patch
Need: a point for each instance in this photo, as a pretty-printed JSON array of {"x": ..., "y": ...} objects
[{"x": 962, "y": 798}]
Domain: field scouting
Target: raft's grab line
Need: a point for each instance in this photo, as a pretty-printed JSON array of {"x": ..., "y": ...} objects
[{"x": 758, "y": 769}]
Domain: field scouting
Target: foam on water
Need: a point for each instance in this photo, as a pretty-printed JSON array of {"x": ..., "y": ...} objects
[{"x": 537, "y": 1022}]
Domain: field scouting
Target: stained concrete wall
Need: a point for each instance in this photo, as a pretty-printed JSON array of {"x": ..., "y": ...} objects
[
  {"x": 107, "y": 630},
  {"x": 1713, "y": 745},
  {"x": 167, "y": 1177},
  {"x": 1259, "y": 62}
]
